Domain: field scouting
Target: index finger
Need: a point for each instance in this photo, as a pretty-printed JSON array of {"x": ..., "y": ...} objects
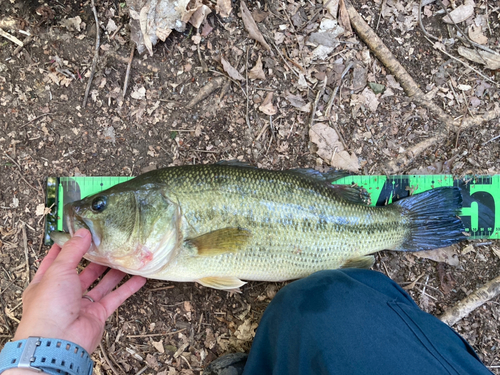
[
  {"x": 46, "y": 263},
  {"x": 73, "y": 251}
]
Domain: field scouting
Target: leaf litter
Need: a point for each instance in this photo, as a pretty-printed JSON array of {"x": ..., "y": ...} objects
[{"x": 225, "y": 121}]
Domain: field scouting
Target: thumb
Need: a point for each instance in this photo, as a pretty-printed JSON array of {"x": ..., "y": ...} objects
[{"x": 72, "y": 252}]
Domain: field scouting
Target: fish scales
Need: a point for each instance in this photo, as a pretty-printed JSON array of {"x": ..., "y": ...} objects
[
  {"x": 297, "y": 226},
  {"x": 217, "y": 224}
]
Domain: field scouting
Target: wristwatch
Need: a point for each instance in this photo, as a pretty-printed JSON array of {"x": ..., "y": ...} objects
[{"x": 52, "y": 356}]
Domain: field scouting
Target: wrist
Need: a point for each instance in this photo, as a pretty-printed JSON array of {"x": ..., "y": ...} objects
[
  {"x": 20, "y": 371},
  {"x": 52, "y": 356}
]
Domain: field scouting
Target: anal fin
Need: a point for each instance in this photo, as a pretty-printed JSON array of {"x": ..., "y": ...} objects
[
  {"x": 365, "y": 261},
  {"x": 221, "y": 282}
]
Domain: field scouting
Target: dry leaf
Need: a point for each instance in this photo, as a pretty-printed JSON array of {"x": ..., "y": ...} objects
[
  {"x": 139, "y": 93},
  {"x": 332, "y": 7},
  {"x": 163, "y": 34},
  {"x": 267, "y": 105},
  {"x": 158, "y": 346},
  {"x": 246, "y": 331},
  {"x": 256, "y": 72},
  {"x": 251, "y": 26},
  {"x": 72, "y": 23},
  {"x": 298, "y": 102},
  {"x": 199, "y": 16},
  {"x": 492, "y": 59},
  {"x": 259, "y": 15},
  {"x": 330, "y": 148},
  {"x": 40, "y": 209},
  {"x": 476, "y": 34},
  {"x": 461, "y": 13},
  {"x": 446, "y": 254},
  {"x": 206, "y": 29},
  {"x": 143, "y": 22},
  {"x": 344, "y": 20},
  {"x": 232, "y": 72},
  {"x": 223, "y": 8},
  {"x": 111, "y": 26}
]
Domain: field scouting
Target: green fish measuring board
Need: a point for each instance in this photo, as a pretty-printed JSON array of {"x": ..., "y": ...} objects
[{"x": 481, "y": 196}]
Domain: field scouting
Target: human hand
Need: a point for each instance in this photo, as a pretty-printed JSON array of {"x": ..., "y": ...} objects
[{"x": 53, "y": 306}]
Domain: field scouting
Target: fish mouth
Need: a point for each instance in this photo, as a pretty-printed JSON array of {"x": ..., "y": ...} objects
[{"x": 74, "y": 222}]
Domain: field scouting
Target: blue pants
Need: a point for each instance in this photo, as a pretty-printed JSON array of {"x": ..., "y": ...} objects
[{"x": 353, "y": 322}]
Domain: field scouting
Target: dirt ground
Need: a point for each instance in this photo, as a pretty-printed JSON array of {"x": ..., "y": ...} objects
[{"x": 172, "y": 328}]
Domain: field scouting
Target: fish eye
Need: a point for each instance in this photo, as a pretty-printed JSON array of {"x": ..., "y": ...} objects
[{"x": 99, "y": 204}]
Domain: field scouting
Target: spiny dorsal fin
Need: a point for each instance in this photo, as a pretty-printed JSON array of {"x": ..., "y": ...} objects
[
  {"x": 227, "y": 240},
  {"x": 235, "y": 163},
  {"x": 316, "y": 176},
  {"x": 365, "y": 261},
  {"x": 352, "y": 193},
  {"x": 222, "y": 282}
]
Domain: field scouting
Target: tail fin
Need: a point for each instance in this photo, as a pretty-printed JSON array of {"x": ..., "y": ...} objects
[{"x": 433, "y": 219}]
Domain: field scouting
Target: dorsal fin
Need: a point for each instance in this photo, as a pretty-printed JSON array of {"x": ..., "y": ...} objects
[
  {"x": 235, "y": 163},
  {"x": 316, "y": 176},
  {"x": 352, "y": 193}
]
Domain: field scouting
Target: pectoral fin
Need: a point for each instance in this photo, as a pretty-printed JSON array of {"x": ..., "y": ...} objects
[
  {"x": 365, "y": 261},
  {"x": 221, "y": 282},
  {"x": 221, "y": 241}
]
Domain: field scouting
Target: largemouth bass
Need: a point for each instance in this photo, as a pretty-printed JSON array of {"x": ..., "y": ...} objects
[{"x": 223, "y": 223}]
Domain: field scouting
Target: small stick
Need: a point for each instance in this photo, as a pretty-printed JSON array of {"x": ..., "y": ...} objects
[
  {"x": 206, "y": 90},
  {"x": 110, "y": 364},
  {"x": 19, "y": 48},
  {"x": 246, "y": 88},
  {"x": 318, "y": 96},
  {"x": 36, "y": 118},
  {"x": 334, "y": 93},
  {"x": 21, "y": 172},
  {"x": 463, "y": 308},
  {"x": 155, "y": 334},
  {"x": 12, "y": 38},
  {"x": 25, "y": 244},
  {"x": 96, "y": 55},
  {"x": 127, "y": 74}
]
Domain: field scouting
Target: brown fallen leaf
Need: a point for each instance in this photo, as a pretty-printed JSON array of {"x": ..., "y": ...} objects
[
  {"x": 199, "y": 16},
  {"x": 344, "y": 20},
  {"x": 259, "y": 15},
  {"x": 448, "y": 255},
  {"x": 232, "y": 72},
  {"x": 223, "y": 8},
  {"x": 257, "y": 72},
  {"x": 492, "y": 59},
  {"x": 446, "y": 281},
  {"x": 460, "y": 13},
  {"x": 267, "y": 105},
  {"x": 331, "y": 149},
  {"x": 251, "y": 26},
  {"x": 476, "y": 34}
]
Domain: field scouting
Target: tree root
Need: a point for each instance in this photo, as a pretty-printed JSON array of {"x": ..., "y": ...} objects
[
  {"x": 463, "y": 308},
  {"x": 413, "y": 91}
]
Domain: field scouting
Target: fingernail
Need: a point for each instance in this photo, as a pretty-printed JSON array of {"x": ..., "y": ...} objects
[{"x": 82, "y": 232}]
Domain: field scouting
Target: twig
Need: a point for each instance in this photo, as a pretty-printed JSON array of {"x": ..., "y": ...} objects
[
  {"x": 96, "y": 55},
  {"x": 463, "y": 308},
  {"x": 25, "y": 244},
  {"x": 21, "y": 172},
  {"x": 318, "y": 96},
  {"x": 466, "y": 65},
  {"x": 380, "y": 14},
  {"x": 127, "y": 74},
  {"x": 202, "y": 61},
  {"x": 110, "y": 364},
  {"x": 36, "y": 118},
  {"x": 156, "y": 334},
  {"x": 246, "y": 88},
  {"x": 25, "y": 42},
  {"x": 492, "y": 139},
  {"x": 12, "y": 38},
  {"x": 206, "y": 90},
  {"x": 334, "y": 93}
]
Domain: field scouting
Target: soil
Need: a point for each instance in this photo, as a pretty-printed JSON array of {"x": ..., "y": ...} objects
[{"x": 45, "y": 131}]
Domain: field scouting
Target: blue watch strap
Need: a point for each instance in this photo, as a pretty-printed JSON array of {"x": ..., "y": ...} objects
[{"x": 53, "y": 356}]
